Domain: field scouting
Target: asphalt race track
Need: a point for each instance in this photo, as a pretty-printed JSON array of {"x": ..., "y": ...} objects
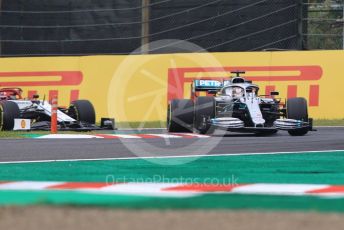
[{"x": 13, "y": 150}]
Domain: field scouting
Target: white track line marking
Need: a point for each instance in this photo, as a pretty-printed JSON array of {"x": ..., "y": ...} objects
[
  {"x": 67, "y": 136},
  {"x": 166, "y": 157},
  {"x": 145, "y": 189},
  {"x": 195, "y": 135},
  {"x": 166, "y": 135},
  {"x": 27, "y": 185},
  {"x": 277, "y": 189},
  {"x": 125, "y": 136}
]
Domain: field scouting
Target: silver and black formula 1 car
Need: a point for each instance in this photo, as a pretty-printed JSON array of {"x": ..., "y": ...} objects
[
  {"x": 35, "y": 114},
  {"x": 235, "y": 106}
]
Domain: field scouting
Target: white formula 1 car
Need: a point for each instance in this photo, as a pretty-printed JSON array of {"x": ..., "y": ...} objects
[
  {"x": 34, "y": 114},
  {"x": 235, "y": 106}
]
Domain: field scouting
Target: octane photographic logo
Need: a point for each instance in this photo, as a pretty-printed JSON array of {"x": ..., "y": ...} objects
[{"x": 126, "y": 90}]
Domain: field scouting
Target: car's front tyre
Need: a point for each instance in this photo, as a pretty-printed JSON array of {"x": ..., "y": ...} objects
[
  {"x": 297, "y": 109},
  {"x": 82, "y": 110},
  {"x": 9, "y": 111},
  {"x": 204, "y": 110},
  {"x": 180, "y": 115}
]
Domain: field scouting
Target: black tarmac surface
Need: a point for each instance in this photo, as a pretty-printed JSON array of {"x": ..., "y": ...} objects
[{"x": 12, "y": 150}]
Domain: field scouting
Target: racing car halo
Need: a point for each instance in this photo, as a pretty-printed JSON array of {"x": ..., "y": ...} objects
[
  {"x": 35, "y": 114},
  {"x": 235, "y": 106}
]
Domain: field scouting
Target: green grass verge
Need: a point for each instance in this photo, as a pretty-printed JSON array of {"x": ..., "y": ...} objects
[
  {"x": 13, "y": 134},
  {"x": 26, "y": 134},
  {"x": 327, "y": 122},
  {"x": 307, "y": 168}
]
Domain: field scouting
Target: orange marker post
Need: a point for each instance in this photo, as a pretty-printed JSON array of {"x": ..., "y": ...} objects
[{"x": 53, "y": 128}]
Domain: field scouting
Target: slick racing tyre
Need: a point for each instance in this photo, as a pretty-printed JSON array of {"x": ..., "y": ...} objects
[
  {"x": 204, "y": 110},
  {"x": 9, "y": 110},
  {"x": 180, "y": 115},
  {"x": 297, "y": 110},
  {"x": 82, "y": 110}
]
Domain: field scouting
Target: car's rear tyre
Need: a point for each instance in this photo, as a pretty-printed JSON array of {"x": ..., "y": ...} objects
[
  {"x": 204, "y": 110},
  {"x": 297, "y": 109},
  {"x": 82, "y": 110},
  {"x": 180, "y": 115},
  {"x": 8, "y": 112}
]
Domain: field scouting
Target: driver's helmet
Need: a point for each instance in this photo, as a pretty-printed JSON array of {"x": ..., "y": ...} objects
[
  {"x": 234, "y": 91},
  {"x": 252, "y": 91},
  {"x": 4, "y": 95}
]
